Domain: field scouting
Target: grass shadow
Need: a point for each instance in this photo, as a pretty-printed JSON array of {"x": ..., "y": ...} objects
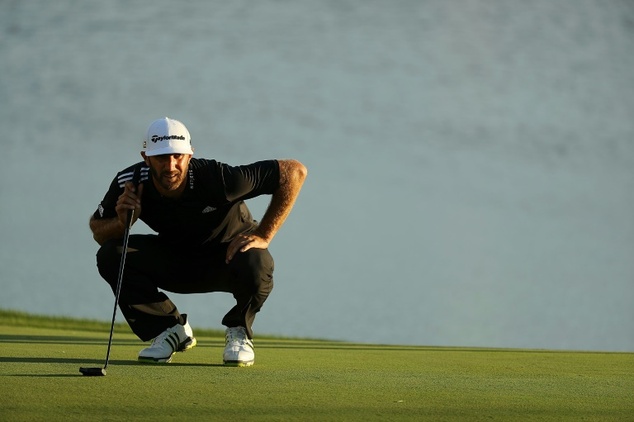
[
  {"x": 50, "y": 339},
  {"x": 87, "y": 363},
  {"x": 96, "y": 362},
  {"x": 4, "y": 338}
]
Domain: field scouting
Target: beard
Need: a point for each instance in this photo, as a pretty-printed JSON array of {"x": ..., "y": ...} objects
[{"x": 167, "y": 180}]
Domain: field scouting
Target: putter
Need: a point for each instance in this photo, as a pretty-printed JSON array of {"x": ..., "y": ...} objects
[{"x": 100, "y": 372}]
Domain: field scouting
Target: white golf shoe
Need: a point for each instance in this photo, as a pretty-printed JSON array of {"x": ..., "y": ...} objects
[
  {"x": 238, "y": 348},
  {"x": 178, "y": 338}
]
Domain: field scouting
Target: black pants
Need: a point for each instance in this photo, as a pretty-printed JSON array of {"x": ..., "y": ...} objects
[{"x": 152, "y": 264}]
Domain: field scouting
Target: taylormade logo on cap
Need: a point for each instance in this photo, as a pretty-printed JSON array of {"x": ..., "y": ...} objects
[
  {"x": 167, "y": 136},
  {"x": 156, "y": 138}
]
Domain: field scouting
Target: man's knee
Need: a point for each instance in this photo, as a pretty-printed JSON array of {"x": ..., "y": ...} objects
[
  {"x": 108, "y": 260},
  {"x": 255, "y": 267}
]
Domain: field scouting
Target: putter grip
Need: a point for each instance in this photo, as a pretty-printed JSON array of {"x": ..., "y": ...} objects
[
  {"x": 136, "y": 180},
  {"x": 129, "y": 221}
]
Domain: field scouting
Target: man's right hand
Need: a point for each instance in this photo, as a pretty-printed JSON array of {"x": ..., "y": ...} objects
[{"x": 130, "y": 199}]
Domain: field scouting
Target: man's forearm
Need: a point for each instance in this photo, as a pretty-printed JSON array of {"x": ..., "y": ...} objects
[
  {"x": 292, "y": 175},
  {"x": 106, "y": 229}
]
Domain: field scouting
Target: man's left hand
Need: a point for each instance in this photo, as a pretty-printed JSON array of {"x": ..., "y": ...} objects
[{"x": 244, "y": 242}]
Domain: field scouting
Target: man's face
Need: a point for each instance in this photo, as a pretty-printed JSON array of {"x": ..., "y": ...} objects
[{"x": 169, "y": 171}]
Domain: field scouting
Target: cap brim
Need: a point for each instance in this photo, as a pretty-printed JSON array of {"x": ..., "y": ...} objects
[{"x": 169, "y": 150}]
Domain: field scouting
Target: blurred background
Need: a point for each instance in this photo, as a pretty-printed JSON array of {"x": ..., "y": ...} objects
[{"x": 471, "y": 163}]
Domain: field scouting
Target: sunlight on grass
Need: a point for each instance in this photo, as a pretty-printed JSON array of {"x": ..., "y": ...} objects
[{"x": 300, "y": 380}]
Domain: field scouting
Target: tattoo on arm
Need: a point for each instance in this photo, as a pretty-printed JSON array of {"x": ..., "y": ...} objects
[{"x": 292, "y": 176}]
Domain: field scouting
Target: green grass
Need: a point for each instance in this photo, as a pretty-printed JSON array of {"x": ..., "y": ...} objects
[{"x": 299, "y": 380}]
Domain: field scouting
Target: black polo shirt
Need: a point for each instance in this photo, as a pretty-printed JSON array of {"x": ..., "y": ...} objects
[{"x": 210, "y": 210}]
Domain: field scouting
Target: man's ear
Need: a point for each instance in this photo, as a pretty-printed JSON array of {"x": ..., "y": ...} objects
[{"x": 145, "y": 158}]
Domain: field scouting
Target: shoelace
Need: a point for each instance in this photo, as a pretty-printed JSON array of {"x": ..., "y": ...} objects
[
  {"x": 166, "y": 336},
  {"x": 160, "y": 338},
  {"x": 237, "y": 335}
]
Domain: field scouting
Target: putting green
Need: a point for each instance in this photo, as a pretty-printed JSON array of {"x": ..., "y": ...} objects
[{"x": 304, "y": 380}]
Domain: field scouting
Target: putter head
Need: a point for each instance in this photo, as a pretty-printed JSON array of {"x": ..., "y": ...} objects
[{"x": 93, "y": 372}]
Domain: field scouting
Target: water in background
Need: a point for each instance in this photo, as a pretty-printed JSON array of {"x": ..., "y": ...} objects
[{"x": 470, "y": 162}]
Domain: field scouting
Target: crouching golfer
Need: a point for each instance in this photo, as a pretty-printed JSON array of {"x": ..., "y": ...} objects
[{"x": 206, "y": 241}]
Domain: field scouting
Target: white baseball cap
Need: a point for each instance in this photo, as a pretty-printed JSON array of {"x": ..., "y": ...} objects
[{"x": 167, "y": 136}]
